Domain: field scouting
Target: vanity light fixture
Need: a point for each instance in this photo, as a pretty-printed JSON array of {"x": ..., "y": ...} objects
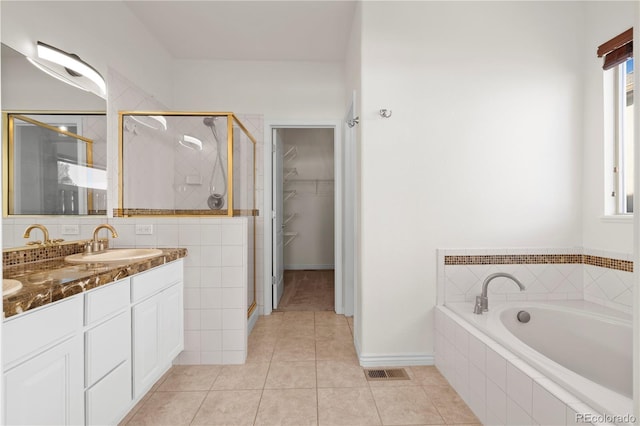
[
  {"x": 69, "y": 68},
  {"x": 156, "y": 122},
  {"x": 191, "y": 142}
]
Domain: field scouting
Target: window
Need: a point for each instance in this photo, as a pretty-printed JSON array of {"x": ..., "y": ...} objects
[
  {"x": 618, "y": 66},
  {"x": 623, "y": 170}
]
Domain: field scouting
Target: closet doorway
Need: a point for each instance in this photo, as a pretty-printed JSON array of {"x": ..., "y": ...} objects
[{"x": 304, "y": 243}]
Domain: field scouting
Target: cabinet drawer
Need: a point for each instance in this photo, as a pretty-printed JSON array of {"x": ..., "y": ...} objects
[
  {"x": 106, "y": 346},
  {"x": 32, "y": 332},
  {"x": 153, "y": 281},
  {"x": 107, "y": 401},
  {"x": 106, "y": 300}
]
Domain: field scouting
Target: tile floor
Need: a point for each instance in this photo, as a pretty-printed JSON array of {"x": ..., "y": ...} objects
[{"x": 301, "y": 369}]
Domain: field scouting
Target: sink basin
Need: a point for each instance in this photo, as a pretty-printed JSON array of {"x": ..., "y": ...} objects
[
  {"x": 114, "y": 256},
  {"x": 10, "y": 287}
]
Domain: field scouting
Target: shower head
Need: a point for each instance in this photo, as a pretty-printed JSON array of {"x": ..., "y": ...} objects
[{"x": 209, "y": 121}]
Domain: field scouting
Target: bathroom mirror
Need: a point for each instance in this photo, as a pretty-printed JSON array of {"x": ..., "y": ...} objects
[
  {"x": 54, "y": 143},
  {"x": 50, "y": 166}
]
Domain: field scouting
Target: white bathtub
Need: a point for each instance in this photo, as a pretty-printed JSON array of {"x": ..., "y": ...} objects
[{"x": 581, "y": 346}]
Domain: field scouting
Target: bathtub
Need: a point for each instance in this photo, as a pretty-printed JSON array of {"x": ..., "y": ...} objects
[{"x": 583, "y": 347}]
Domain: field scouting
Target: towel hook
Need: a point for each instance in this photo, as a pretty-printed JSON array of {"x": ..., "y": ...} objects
[{"x": 385, "y": 113}]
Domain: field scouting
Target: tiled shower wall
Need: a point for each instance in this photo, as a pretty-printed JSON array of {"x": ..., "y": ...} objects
[{"x": 548, "y": 274}]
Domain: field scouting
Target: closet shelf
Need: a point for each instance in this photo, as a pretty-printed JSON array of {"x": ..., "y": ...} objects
[
  {"x": 288, "y": 218},
  {"x": 291, "y": 153},
  {"x": 288, "y": 173},
  {"x": 289, "y": 236}
]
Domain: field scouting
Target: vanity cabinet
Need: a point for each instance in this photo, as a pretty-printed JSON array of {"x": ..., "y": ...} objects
[
  {"x": 157, "y": 318},
  {"x": 43, "y": 366},
  {"x": 107, "y": 345},
  {"x": 89, "y": 358}
]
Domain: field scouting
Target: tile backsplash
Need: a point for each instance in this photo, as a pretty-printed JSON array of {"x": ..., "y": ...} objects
[{"x": 548, "y": 274}]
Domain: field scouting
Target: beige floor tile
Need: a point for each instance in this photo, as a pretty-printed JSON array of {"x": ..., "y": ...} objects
[
  {"x": 405, "y": 405},
  {"x": 429, "y": 375},
  {"x": 335, "y": 349},
  {"x": 455, "y": 411},
  {"x": 190, "y": 378},
  {"x": 295, "y": 407},
  {"x": 233, "y": 408},
  {"x": 246, "y": 376},
  {"x": 161, "y": 380},
  {"x": 291, "y": 375},
  {"x": 264, "y": 335},
  {"x": 295, "y": 350},
  {"x": 261, "y": 351},
  {"x": 135, "y": 409},
  {"x": 445, "y": 392},
  {"x": 342, "y": 332},
  {"x": 340, "y": 374},
  {"x": 169, "y": 408},
  {"x": 296, "y": 331},
  {"x": 347, "y": 406},
  {"x": 328, "y": 318},
  {"x": 275, "y": 318},
  {"x": 300, "y": 317}
]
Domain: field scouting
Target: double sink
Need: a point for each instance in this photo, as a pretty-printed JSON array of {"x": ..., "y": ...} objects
[{"x": 79, "y": 263}]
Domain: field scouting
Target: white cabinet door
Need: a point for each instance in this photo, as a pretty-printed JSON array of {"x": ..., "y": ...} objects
[
  {"x": 172, "y": 317},
  {"x": 146, "y": 344},
  {"x": 108, "y": 400},
  {"x": 47, "y": 389}
]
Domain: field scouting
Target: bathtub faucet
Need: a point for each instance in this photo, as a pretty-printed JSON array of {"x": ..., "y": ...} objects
[{"x": 482, "y": 301}]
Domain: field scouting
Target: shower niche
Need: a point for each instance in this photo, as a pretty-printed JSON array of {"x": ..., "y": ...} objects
[{"x": 187, "y": 164}]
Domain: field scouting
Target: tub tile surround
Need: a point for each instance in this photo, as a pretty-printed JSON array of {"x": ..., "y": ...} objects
[
  {"x": 597, "y": 276},
  {"x": 500, "y": 388}
]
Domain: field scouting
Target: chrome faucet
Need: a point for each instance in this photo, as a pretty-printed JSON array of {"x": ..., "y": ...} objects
[
  {"x": 45, "y": 232},
  {"x": 482, "y": 301},
  {"x": 95, "y": 245}
]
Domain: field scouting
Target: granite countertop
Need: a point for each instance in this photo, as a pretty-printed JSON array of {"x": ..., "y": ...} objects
[{"x": 52, "y": 280}]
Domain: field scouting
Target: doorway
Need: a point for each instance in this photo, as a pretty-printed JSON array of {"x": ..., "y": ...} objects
[
  {"x": 306, "y": 221},
  {"x": 304, "y": 208}
]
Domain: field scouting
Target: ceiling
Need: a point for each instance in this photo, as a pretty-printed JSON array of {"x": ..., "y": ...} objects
[{"x": 302, "y": 30}]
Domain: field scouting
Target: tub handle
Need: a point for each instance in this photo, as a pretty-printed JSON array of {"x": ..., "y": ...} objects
[{"x": 478, "y": 309}]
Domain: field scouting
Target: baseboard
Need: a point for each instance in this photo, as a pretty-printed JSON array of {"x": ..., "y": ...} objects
[
  {"x": 252, "y": 321},
  {"x": 301, "y": 267},
  {"x": 396, "y": 360}
]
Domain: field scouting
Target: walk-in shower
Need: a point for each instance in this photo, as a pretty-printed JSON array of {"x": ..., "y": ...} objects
[{"x": 203, "y": 164}]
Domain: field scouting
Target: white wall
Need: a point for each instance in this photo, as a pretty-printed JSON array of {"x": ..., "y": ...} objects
[
  {"x": 279, "y": 90},
  {"x": 604, "y": 20},
  {"x": 483, "y": 148},
  {"x": 313, "y": 204}
]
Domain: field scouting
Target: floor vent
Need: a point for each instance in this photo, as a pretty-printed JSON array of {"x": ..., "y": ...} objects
[{"x": 386, "y": 374}]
